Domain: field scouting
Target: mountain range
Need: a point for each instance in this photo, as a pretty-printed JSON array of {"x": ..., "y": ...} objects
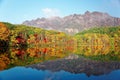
[{"x": 75, "y": 23}]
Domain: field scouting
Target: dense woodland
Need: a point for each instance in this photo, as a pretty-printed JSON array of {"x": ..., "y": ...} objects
[
  {"x": 99, "y": 43},
  {"x": 25, "y": 45},
  {"x": 21, "y": 35}
]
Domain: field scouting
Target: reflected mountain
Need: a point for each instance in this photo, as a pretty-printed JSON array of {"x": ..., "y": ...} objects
[
  {"x": 22, "y": 73},
  {"x": 92, "y": 56},
  {"x": 78, "y": 65},
  {"x": 64, "y": 57}
]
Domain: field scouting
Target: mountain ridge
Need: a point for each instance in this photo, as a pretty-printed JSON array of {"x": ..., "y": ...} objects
[{"x": 75, "y": 23}]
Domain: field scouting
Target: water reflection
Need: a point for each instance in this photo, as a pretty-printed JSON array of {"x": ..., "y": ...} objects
[
  {"x": 21, "y": 73},
  {"x": 99, "y": 48},
  {"x": 80, "y": 65},
  {"x": 31, "y": 55}
]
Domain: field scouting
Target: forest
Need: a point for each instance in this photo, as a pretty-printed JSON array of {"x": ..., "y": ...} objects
[
  {"x": 99, "y": 43},
  {"x": 22, "y": 45},
  {"x": 25, "y": 45},
  {"x": 23, "y": 36}
]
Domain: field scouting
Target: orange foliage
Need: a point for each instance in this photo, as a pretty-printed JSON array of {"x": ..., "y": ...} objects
[
  {"x": 4, "y": 61},
  {"x": 4, "y": 32}
]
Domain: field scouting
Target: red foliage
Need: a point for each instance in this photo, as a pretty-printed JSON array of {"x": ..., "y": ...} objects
[
  {"x": 35, "y": 35},
  {"x": 45, "y": 50},
  {"x": 45, "y": 40},
  {"x": 19, "y": 40},
  {"x": 20, "y": 52}
]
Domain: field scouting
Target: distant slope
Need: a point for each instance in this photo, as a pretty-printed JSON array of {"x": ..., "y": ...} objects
[
  {"x": 75, "y": 23},
  {"x": 110, "y": 31}
]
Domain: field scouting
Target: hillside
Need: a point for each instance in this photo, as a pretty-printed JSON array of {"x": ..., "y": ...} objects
[
  {"x": 24, "y": 45},
  {"x": 103, "y": 41},
  {"x": 75, "y": 23},
  {"x": 21, "y": 35}
]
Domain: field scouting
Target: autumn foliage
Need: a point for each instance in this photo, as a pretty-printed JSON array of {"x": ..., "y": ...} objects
[
  {"x": 4, "y": 32},
  {"x": 30, "y": 45}
]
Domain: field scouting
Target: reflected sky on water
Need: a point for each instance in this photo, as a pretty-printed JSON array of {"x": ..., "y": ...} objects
[{"x": 22, "y": 73}]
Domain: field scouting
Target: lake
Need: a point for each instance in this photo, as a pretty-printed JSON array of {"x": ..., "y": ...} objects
[
  {"x": 60, "y": 63},
  {"x": 22, "y": 73}
]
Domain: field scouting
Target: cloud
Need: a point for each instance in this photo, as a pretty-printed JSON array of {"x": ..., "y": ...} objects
[{"x": 48, "y": 12}]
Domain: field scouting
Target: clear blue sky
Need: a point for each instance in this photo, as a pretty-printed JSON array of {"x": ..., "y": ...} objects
[{"x": 17, "y": 11}]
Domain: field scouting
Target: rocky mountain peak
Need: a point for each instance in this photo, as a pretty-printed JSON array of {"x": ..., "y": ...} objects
[
  {"x": 87, "y": 12},
  {"x": 74, "y": 23}
]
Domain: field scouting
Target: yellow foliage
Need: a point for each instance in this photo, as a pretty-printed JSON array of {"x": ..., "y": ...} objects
[
  {"x": 4, "y": 32},
  {"x": 4, "y": 61}
]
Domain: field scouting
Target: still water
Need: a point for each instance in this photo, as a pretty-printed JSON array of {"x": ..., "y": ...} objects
[
  {"x": 12, "y": 60},
  {"x": 22, "y": 73}
]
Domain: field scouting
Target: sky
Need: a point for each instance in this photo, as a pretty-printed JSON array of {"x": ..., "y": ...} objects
[{"x": 17, "y": 11}]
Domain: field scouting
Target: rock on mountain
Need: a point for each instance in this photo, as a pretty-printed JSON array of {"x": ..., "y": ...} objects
[{"x": 75, "y": 23}]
